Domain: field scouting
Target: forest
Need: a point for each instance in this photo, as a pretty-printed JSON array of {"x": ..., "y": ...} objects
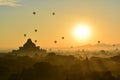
[{"x": 53, "y": 66}]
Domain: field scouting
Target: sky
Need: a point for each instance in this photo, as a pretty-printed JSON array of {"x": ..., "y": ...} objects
[{"x": 16, "y": 19}]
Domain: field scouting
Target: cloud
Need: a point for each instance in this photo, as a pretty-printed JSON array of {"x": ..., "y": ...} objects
[{"x": 9, "y": 3}]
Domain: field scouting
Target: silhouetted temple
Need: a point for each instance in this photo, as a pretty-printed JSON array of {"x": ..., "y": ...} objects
[{"x": 29, "y": 48}]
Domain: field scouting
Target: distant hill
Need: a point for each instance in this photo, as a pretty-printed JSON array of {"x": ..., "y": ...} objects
[{"x": 99, "y": 47}]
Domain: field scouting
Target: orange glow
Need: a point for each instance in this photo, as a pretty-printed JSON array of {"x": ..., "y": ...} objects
[{"x": 82, "y": 32}]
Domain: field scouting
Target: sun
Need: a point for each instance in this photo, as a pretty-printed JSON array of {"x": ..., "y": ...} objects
[{"x": 82, "y": 31}]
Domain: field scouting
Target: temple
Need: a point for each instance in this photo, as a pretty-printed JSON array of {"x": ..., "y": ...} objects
[{"x": 29, "y": 48}]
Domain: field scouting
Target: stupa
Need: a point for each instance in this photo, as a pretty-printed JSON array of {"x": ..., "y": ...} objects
[{"x": 29, "y": 48}]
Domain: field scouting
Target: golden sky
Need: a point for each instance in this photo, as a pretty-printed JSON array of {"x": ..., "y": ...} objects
[{"x": 16, "y": 19}]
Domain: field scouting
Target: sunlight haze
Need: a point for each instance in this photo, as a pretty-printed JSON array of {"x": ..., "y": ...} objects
[{"x": 17, "y": 19}]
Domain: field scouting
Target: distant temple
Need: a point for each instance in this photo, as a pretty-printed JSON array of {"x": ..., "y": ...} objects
[{"x": 29, "y": 48}]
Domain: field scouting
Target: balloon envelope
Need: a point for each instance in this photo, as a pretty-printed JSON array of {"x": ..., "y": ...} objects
[
  {"x": 62, "y": 37},
  {"x": 35, "y": 30},
  {"x": 34, "y": 13},
  {"x": 35, "y": 41},
  {"x": 53, "y": 13},
  {"x": 98, "y": 41},
  {"x": 55, "y": 42},
  {"x": 25, "y": 35}
]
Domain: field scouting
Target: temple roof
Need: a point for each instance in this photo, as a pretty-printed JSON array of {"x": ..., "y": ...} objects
[
  {"x": 29, "y": 44},
  {"x": 29, "y": 47}
]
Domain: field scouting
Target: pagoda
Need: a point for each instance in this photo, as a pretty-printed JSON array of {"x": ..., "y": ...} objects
[{"x": 29, "y": 48}]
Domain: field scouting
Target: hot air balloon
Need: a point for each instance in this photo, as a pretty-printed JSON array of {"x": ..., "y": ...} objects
[
  {"x": 113, "y": 45},
  {"x": 53, "y": 13},
  {"x": 35, "y": 41},
  {"x": 35, "y": 30},
  {"x": 25, "y": 35},
  {"x": 55, "y": 41},
  {"x": 34, "y": 13},
  {"x": 71, "y": 47},
  {"x": 98, "y": 42},
  {"x": 63, "y": 38}
]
